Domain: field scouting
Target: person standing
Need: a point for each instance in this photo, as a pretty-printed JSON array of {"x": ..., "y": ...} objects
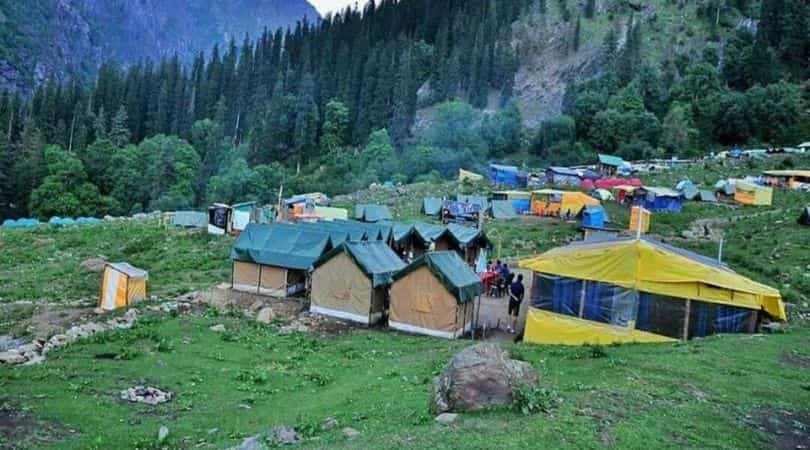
[{"x": 516, "y": 292}]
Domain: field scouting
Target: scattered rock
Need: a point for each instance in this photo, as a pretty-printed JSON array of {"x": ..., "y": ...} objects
[
  {"x": 145, "y": 394},
  {"x": 329, "y": 423},
  {"x": 446, "y": 418},
  {"x": 350, "y": 433},
  {"x": 266, "y": 315},
  {"x": 163, "y": 433},
  {"x": 478, "y": 377},
  {"x": 686, "y": 234},
  {"x": 94, "y": 264},
  {"x": 11, "y": 357},
  {"x": 774, "y": 327},
  {"x": 283, "y": 435},
  {"x": 251, "y": 443},
  {"x": 8, "y": 342},
  {"x": 218, "y": 328}
]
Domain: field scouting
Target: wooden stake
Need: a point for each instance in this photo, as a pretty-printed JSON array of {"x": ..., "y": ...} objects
[{"x": 686, "y": 320}]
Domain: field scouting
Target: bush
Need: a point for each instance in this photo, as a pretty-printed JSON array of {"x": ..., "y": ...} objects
[{"x": 529, "y": 399}]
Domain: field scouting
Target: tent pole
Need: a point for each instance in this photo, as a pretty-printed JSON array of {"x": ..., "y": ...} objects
[
  {"x": 259, "y": 284},
  {"x": 582, "y": 298},
  {"x": 686, "y": 320},
  {"x": 233, "y": 267}
]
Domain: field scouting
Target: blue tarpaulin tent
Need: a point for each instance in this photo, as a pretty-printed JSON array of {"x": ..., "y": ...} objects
[
  {"x": 504, "y": 175},
  {"x": 594, "y": 217},
  {"x": 563, "y": 176},
  {"x": 658, "y": 199}
]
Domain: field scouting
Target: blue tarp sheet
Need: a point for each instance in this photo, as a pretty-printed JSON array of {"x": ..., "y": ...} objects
[{"x": 504, "y": 175}]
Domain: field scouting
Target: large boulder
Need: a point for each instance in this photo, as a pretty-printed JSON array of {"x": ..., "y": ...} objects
[
  {"x": 94, "y": 264},
  {"x": 478, "y": 377}
]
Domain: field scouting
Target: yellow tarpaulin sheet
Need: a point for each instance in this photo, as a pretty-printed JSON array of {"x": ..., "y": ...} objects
[
  {"x": 467, "y": 175},
  {"x": 647, "y": 266},
  {"x": 752, "y": 194},
  {"x": 544, "y": 327},
  {"x": 573, "y": 202}
]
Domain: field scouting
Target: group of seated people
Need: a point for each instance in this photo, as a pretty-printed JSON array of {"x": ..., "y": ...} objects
[{"x": 505, "y": 278}]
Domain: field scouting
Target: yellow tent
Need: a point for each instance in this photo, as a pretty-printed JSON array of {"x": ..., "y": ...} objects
[
  {"x": 551, "y": 202},
  {"x": 752, "y": 194},
  {"x": 795, "y": 179},
  {"x": 121, "y": 286},
  {"x": 638, "y": 212},
  {"x": 464, "y": 175},
  {"x": 617, "y": 282}
]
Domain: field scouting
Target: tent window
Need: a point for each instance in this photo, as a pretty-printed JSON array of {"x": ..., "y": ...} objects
[
  {"x": 708, "y": 318},
  {"x": 661, "y": 314},
  {"x": 557, "y": 294}
]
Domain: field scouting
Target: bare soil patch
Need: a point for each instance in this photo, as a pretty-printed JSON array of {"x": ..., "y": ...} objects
[
  {"x": 795, "y": 359},
  {"x": 19, "y": 430},
  {"x": 784, "y": 430}
]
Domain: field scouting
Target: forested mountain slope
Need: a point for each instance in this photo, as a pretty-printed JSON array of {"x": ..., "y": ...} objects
[
  {"x": 406, "y": 89},
  {"x": 55, "y": 38}
]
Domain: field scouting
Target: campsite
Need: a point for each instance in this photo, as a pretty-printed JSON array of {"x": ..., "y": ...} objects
[{"x": 328, "y": 377}]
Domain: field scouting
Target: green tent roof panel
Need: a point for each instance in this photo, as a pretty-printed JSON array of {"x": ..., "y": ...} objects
[
  {"x": 280, "y": 246},
  {"x": 375, "y": 259}
]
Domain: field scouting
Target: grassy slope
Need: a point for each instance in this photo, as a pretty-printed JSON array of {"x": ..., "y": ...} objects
[{"x": 665, "y": 396}]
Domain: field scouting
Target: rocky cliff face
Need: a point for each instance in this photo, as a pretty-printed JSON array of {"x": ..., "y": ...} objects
[{"x": 44, "y": 38}]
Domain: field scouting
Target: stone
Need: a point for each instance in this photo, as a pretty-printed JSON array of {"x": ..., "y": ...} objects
[
  {"x": 11, "y": 357},
  {"x": 218, "y": 328},
  {"x": 350, "y": 433},
  {"x": 283, "y": 435},
  {"x": 329, "y": 423},
  {"x": 148, "y": 395},
  {"x": 774, "y": 327},
  {"x": 251, "y": 443},
  {"x": 34, "y": 360},
  {"x": 94, "y": 264},
  {"x": 265, "y": 315},
  {"x": 446, "y": 418},
  {"x": 8, "y": 342},
  {"x": 479, "y": 377},
  {"x": 686, "y": 234},
  {"x": 163, "y": 433}
]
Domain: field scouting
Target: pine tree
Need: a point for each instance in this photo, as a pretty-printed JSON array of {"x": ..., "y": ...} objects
[
  {"x": 119, "y": 130},
  {"x": 577, "y": 34}
]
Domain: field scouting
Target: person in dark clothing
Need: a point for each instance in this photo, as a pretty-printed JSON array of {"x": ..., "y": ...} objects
[{"x": 516, "y": 292}]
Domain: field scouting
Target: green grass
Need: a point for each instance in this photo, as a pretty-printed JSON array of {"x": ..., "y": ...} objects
[
  {"x": 44, "y": 263},
  {"x": 250, "y": 379}
]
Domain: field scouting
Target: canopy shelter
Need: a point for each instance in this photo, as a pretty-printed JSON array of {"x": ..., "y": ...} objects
[
  {"x": 431, "y": 206},
  {"x": 602, "y": 194},
  {"x": 793, "y": 179},
  {"x": 351, "y": 281},
  {"x": 658, "y": 199},
  {"x": 611, "y": 183},
  {"x": 594, "y": 217},
  {"x": 122, "y": 285},
  {"x": 752, "y": 194},
  {"x": 804, "y": 217},
  {"x": 552, "y": 202},
  {"x": 275, "y": 259},
  {"x": 503, "y": 210},
  {"x": 504, "y": 175},
  {"x": 563, "y": 176},
  {"x": 609, "y": 165},
  {"x": 372, "y": 213},
  {"x": 242, "y": 215},
  {"x": 624, "y": 193},
  {"x": 190, "y": 219},
  {"x": 521, "y": 200},
  {"x": 466, "y": 175},
  {"x": 617, "y": 288},
  {"x": 434, "y": 295}
]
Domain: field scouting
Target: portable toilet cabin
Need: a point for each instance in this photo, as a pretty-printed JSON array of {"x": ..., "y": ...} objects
[
  {"x": 434, "y": 295},
  {"x": 594, "y": 217},
  {"x": 122, "y": 285},
  {"x": 351, "y": 281},
  {"x": 219, "y": 219},
  {"x": 638, "y": 213}
]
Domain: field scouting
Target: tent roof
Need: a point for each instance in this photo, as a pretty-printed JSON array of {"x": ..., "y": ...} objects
[
  {"x": 662, "y": 191},
  {"x": 655, "y": 267},
  {"x": 466, "y": 236},
  {"x": 372, "y": 213},
  {"x": 504, "y": 168},
  {"x": 707, "y": 196},
  {"x": 280, "y": 246},
  {"x": 479, "y": 200},
  {"x": 565, "y": 171},
  {"x": 428, "y": 232},
  {"x": 610, "y": 160},
  {"x": 454, "y": 274},
  {"x": 243, "y": 205},
  {"x": 788, "y": 173},
  {"x": 190, "y": 219},
  {"x": 431, "y": 206},
  {"x": 503, "y": 209},
  {"x": 548, "y": 192},
  {"x": 514, "y": 195},
  {"x": 130, "y": 270},
  {"x": 375, "y": 259}
]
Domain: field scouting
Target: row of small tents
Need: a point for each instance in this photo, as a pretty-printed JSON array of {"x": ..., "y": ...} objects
[
  {"x": 352, "y": 270},
  {"x": 53, "y": 221}
]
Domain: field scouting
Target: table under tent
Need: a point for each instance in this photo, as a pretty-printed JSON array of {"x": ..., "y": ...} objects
[
  {"x": 351, "y": 281},
  {"x": 639, "y": 290},
  {"x": 434, "y": 295},
  {"x": 275, "y": 259}
]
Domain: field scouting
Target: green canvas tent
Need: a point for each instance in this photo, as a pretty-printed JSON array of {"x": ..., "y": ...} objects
[
  {"x": 428, "y": 232},
  {"x": 503, "y": 209},
  {"x": 432, "y": 206},
  {"x": 479, "y": 200},
  {"x": 190, "y": 219},
  {"x": 275, "y": 259},
  {"x": 372, "y": 213},
  {"x": 434, "y": 295}
]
